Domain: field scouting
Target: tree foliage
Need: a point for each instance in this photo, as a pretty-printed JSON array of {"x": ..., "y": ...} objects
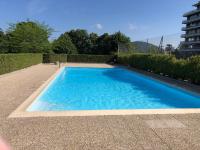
[
  {"x": 119, "y": 37},
  {"x": 103, "y": 44},
  {"x": 81, "y": 40},
  {"x": 3, "y": 42},
  {"x": 33, "y": 37},
  {"x": 28, "y": 37},
  {"x": 94, "y": 44},
  {"x": 64, "y": 45}
]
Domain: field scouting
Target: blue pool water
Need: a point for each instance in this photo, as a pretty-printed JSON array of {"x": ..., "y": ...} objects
[{"x": 109, "y": 89}]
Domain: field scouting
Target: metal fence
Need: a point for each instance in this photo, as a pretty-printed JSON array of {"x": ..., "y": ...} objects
[{"x": 166, "y": 44}]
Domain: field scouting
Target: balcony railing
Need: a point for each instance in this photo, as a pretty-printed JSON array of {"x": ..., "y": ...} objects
[
  {"x": 191, "y": 13},
  {"x": 190, "y": 35},
  {"x": 190, "y": 28},
  {"x": 183, "y": 28},
  {"x": 190, "y": 49},
  {"x": 191, "y": 20},
  {"x": 190, "y": 42}
]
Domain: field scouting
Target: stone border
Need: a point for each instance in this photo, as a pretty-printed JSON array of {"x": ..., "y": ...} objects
[{"x": 21, "y": 110}]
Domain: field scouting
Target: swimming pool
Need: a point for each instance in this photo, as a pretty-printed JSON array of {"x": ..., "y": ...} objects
[{"x": 109, "y": 89}]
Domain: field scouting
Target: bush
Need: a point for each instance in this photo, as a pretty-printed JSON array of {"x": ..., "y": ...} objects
[
  {"x": 12, "y": 62},
  {"x": 51, "y": 58},
  {"x": 90, "y": 58},
  {"x": 168, "y": 65},
  {"x": 193, "y": 67}
]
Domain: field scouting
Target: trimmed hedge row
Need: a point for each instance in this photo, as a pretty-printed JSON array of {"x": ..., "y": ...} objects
[
  {"x": 90, "y": 58},
  {"x": 12, "y": 62},
  {"x": 51, "y": 58},
  {"x": 185, "y": 69}
]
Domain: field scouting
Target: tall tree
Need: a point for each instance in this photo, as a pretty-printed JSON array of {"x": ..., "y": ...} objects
[
  {"x": 104, "y": 44},
  {"x": 93, "y": 38},
  {"x": 81, "y": 40},
  {"x": 94, "y": 45},
  {"x": 3, "y": 42},
  {"x": 117, "y": 38},
  {"x": 64, "y": 45},
  {"x": 29, "y": 37}
]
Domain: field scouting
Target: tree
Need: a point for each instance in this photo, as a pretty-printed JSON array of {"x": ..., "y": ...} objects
[
  {"x": 94, "y": 45},
  {"x": 81, "y": 40},
  {"x": 64, "y": 45},
  {"x": 1, "y": 33},
  {"x": 29, "y": 37},
  {"x": 93, "y": 38},
  {"x": 108, "y": 44},
  {"x": 117, "y": 38},
  {"x": 3, "y": 42},
  {"x": 103, "y": 44}
]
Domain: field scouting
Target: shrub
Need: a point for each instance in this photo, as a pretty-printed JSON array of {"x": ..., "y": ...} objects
[
  {"x": 51, "y": 58},
  {"x": 168, "y": 65},
  {"x": 90, "y": 58},
  {"x": 12, "y": 62},
  {"x": 193, "y": 69}
]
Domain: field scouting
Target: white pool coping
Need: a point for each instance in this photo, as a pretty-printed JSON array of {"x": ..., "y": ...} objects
[{"x": 21, "y": 110}]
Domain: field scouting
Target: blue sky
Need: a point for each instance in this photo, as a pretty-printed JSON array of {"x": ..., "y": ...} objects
[{"x": 139, "y": 19}]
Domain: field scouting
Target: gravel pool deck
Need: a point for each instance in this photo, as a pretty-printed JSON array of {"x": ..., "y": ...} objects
[{"x": 140, "y": 132}]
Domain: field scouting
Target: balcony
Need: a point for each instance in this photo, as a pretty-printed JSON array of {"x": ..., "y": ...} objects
[
  {"x": 190, "y": 28},
  {"x": 183, "y": 28},
  {"x": 190, "y": 42},
  {"x": 190, "y": 13},
  {"x": 190, "y": 35},
  {"x": 191, "y": 20},
  {"x": 183, "y": 36},
  {"x": 190, "y": 50},
  {"x": 197, "y": 4}
]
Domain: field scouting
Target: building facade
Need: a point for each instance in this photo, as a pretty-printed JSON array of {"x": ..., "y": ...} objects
[{"x": 191, "y": 44}]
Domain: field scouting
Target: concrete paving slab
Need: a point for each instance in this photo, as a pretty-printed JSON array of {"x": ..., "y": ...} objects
[{"x": 165, "y": 123}]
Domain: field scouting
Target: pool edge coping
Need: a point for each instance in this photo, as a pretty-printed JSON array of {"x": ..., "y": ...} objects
[{"x": 20, "y": 111}]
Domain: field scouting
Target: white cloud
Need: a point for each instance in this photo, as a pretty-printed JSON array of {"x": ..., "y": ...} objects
[
  {"x": 36, "y": 7},
  {"x": 99, "y": 26}
]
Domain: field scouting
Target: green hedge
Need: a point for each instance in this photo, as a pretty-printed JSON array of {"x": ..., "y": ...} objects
[
  {"x": 51, "y": 58},
  {"x": 12, "y": 62},
  {"x": 185, "y": 69},
  {"x": 90, "y": 58}
]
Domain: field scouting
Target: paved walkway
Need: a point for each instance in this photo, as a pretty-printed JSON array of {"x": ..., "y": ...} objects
[{"x": 154, "y": 132}]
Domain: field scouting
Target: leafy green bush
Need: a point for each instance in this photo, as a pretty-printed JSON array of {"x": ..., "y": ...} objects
[
  {"x": 51, "y": 58},
  {"x": 193, "y": 69},
  {"x": 90, "y": 58},
  {"x": 185, "y": 69},
  {"x": 12, "y": 62}
]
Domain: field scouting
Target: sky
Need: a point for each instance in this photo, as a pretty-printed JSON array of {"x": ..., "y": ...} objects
[{"x": 138, "y": 19}]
